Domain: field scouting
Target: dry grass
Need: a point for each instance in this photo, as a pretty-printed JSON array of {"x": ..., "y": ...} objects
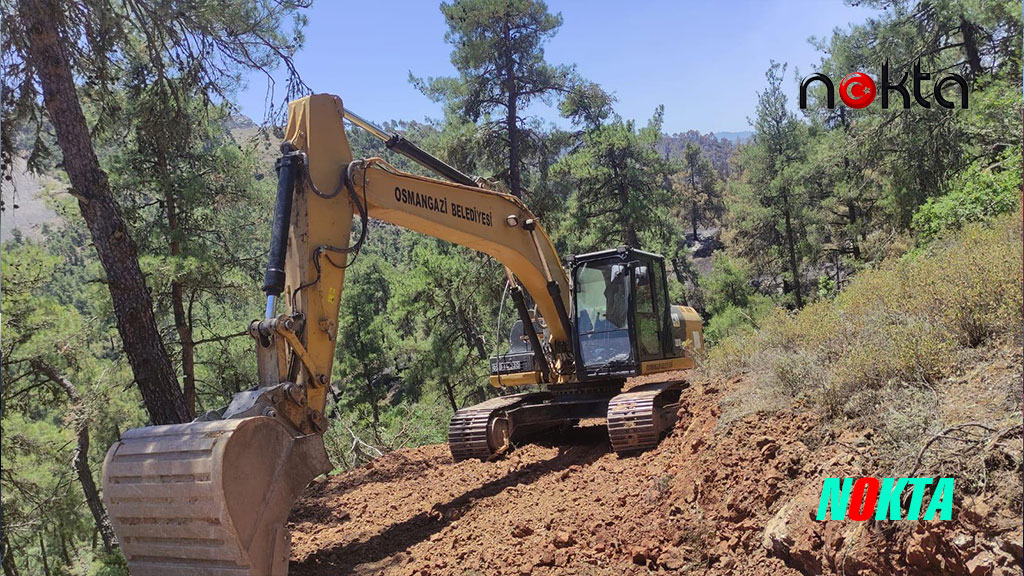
[{"x": 891, "y": 352}]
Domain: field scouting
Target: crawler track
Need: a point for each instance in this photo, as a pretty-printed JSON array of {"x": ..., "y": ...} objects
[
  {"x": 638, "y": 418},
  {"x": 469, "y": 432}
]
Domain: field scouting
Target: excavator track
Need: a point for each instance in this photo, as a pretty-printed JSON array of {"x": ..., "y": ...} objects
[
  {"x": 638, "y": 418},
  {"x": 471, "y": 432}
]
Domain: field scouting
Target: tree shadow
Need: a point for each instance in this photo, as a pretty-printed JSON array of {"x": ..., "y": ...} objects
[{"x": 378, "y": 549}]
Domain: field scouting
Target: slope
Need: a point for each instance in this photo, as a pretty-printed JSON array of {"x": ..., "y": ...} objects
[{"x": 715, "y": 497}]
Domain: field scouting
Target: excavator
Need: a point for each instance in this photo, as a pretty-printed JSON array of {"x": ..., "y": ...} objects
[{"x": 212, "y": 497}]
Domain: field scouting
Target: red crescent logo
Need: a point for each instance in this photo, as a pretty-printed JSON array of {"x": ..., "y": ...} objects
[{"x": 857, "y": 90}]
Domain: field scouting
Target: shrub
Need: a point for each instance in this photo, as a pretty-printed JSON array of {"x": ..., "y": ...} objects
[
  {"x": 728, "y": 285},
  {"x": 734, "y": 320},
  {"x": 898, "y": 325},
  {"x": 976, "y": 193}
]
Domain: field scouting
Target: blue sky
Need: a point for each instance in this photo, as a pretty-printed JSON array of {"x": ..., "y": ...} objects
[{"x": 704, "y": 60}]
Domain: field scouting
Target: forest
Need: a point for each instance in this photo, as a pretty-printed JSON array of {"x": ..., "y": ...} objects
[{"x": 131, "y": 307}]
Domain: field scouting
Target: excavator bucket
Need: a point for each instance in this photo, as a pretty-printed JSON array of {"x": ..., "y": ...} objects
[{"x": 208, "y": 498}]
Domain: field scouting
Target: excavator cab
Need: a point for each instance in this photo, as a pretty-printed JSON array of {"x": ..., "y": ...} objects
[
  {"x": 624, "y": 324},
  {"x": 618, "y": 323}
]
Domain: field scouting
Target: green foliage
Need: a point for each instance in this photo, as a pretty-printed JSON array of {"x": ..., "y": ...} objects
[
  {"x": 620, "y": 180},
  {"x": 977, "y": 193},
  {"x": 733, "y": 320},
  {"x": 499, "y": 53},
  {"x": 42, "y": 498},
  {"x": 810, "y": 201},
  {"x": 366, "y": 335},
  {"x": 901, "y": 324},
  {"x": 732, "y": 304},
  {"x": 200, "y": 220},
  {"x": 769, "y": 205},
  {"x": 699, "y": 187},
  {"x": 729, "y": 284}
]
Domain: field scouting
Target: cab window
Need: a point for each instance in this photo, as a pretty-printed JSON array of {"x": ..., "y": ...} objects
[
  {"x": 649, "y": 309},
  {"x": 602, "y": 313}
]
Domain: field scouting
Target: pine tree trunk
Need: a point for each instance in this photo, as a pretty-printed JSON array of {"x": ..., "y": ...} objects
[
  {"x": 851, "y": 208},
  {"x": 64, "y": 554},
  {"x": 693, "y": 188},
  {"x": 117, "y": 252},
  {"x": 80, "y": 460},
  {"x": 971, "y": 47},
  {"x": 694, "y": 222},
  {"x": 9, "y": 566},
  {"x": 628, "y": 229},
  {"x": 188, "y": 347},
  {"x": 512, "y": 117},
  {"x": 449, "y": 393},
  {"x": 791, "y": 247},
  {"x": 182, "y": 323},
  {"x": 42, "y": 554},
  {"x": 514, "y": 176}
]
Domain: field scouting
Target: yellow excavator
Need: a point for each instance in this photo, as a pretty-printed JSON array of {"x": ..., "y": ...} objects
[{"x": 212, "y": 497}]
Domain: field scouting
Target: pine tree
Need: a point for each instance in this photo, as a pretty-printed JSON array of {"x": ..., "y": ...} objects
[{"x": 499, "y": 54}]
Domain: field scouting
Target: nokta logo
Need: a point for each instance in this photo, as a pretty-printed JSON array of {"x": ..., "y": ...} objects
[
  {"x": 858, "y": 89},
  {"x": 868, "y": 498}
]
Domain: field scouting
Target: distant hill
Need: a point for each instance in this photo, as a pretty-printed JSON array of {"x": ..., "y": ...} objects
[
  {"x": 24, "y": 202},
  {"x": 736, "y": 137},
  {"x": 23, "y": 197},
  {"x": 717, "y": 147}
]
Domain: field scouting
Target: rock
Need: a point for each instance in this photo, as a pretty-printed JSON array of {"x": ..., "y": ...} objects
[
  {"x": 921, "y": 549},
  {"x": 561, "y": 558},
  {"x": 736, "y": 510},
  {"x": 651, "y": 550},
  {"x": 547, "y": 558},
  {"x": 982, "y": 564},
  {"x": 961, "y": 540},
  {"x": 727, "y": 563},
  {"x": 673, "y": 559},
  {"x": 638, "y": 554},
  {"x": 977, "y": 511},
  {"x": 768, "y": 451},
  {"x": 1013, "y": 546},
  {"x": 794, "y": 545},
  {"x": 521, "y": 531},
  {"x": 563, "y": 540}
]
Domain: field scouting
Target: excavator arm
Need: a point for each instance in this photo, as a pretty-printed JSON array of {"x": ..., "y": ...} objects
[
  {"x": 212, "y": 497},
  {"x": 321, "y": 188}
]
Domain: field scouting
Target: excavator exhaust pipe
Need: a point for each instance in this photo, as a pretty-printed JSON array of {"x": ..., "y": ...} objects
[{"x": 209, "y": 498}]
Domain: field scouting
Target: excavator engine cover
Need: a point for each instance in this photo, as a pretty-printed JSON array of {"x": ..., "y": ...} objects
[{"x": 208, "y": 498}]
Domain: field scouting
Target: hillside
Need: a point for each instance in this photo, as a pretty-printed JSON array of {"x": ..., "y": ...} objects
[
  {"x": 25, "y": 206},
  {"x": 715, "y": 497}
]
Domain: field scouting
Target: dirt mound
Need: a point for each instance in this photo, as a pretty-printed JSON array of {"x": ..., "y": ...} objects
[{"x": 736, "y": 499}]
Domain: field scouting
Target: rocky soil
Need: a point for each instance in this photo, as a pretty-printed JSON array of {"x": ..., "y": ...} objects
[{"x": 713, "y": 498}]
